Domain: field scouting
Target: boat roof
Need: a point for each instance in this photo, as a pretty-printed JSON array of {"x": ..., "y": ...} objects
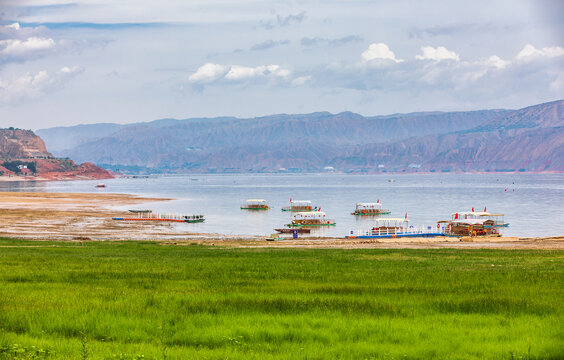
[
  {"x": 470, "y": 221},
  {"x": 309, "y": 213},
  {"x": 300, "y": 201},
  {"x": 391, "y": 219},
  {"x": 256, "y": 200},
  {"x": 369, "y": 204},
  {"x": 476, "y": 213}
]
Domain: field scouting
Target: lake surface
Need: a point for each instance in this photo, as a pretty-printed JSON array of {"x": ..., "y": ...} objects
[{"x": 532, "y": 203}]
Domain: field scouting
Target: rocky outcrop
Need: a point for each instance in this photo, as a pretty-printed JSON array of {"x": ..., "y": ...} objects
[
  {"x": 24, "y": 156},
  {"x": 20, "y": 144}
]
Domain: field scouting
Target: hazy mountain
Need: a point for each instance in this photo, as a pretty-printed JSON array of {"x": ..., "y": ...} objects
[{"x": 529, "y": 139}]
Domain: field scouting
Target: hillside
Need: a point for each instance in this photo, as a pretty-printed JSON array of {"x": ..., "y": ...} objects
[
  {"x": 23, "y": 155},
  {"x": 528, "y": 139}
]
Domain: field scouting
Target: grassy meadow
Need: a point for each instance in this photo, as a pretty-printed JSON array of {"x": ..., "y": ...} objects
[{"x": 144, "y": 300}]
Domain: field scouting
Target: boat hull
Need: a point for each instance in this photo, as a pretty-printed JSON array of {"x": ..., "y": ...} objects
[
  {"x": 299, "y": 210},
  {"x": 371, "y": 213},
  {"x": 289, "y": 231}
]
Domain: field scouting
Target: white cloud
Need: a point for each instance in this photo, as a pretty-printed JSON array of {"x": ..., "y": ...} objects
[
  {"x": 19, "y": 48},
  {"x": 15, "y": 26},
  {"x": 32, "y": 86},
  {"x": 209, "y": 73},
  {"x": 238, "y": 73},
  {"x": 497, "y": 62},
  {"x": 379, "y": 51},
  {"x": 530, "y": 53},
  {"x": 437, "y": 54}
]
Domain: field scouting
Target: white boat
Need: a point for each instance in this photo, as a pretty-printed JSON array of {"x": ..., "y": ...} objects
[
  {"x": 299, "y": 205},
  {"x": 498, "y": 219},
  {"x": 310, "y": 218},
  {"x": 369, "y": 209},
  {"x": 255, "y": 204}
]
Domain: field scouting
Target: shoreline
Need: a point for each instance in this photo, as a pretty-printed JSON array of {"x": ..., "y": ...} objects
[
  {"x": 88, "y": 217},
  {"x": 56, "y": 177}
]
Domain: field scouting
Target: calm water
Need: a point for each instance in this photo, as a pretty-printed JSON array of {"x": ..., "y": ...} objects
[{"x": 532, "y": 203}]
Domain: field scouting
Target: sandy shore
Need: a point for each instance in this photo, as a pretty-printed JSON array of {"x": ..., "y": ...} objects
[{"x": 84, "y": 217}]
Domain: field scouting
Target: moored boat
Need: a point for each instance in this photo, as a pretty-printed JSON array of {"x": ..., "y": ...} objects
[
  {"x": 299, "y": 205},
  {"x": 498, "y": 219},
  {"x": 390, "y": 226},
  {"x": 148, "y": 215},
  {"x": 255, "y": 204},
  {"x": 469, "y": 227},
  {"x": 310, "y": 218},
  {"x": 369, "y": 209},
  {"x": 100, "y": 185},
  {"x": 394, "y": 228}
]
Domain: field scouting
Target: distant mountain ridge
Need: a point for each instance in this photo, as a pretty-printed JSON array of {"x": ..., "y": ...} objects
[{"x": 486, "y": 140}]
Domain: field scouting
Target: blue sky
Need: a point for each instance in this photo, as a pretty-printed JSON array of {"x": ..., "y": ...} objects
[{"x": 65, "y": 63}]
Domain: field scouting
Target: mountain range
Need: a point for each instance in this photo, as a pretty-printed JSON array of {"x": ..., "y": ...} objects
[{"x": 529, "y": 139}]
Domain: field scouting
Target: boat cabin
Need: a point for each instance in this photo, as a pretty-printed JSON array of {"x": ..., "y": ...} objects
[
  {"x": 311, "y": 218},
  {"x": 299, "y": 205},
  {"x": 370, "y": 209},
  {"x": 498, "y": 219},
  {"x": 255, "y": 204},
  {"x": 390, "y": 226}
]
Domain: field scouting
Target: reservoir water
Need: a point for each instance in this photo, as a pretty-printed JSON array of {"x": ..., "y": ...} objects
[{"x": 532, "y": 203}]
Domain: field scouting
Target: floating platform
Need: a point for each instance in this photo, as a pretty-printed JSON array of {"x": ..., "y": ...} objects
[{"x": 396, "y": 235}]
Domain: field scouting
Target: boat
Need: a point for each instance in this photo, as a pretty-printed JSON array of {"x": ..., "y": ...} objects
[
  {"x": 289, "y": 231},
  {"x": 369, "y": 209},
  {"x": 394, "y": 228},
  {"x": 390, "y": 226},
  {"x": 101, "y": 185},
  {"x": 498, "y": 219},
  {"x": 310, "y": 218},
  {"x": 255, "y": 204},
  {"x": 148, "y": 215},
  {"x": 299, "y": 205},
  {"x": 469, "y": 227}
]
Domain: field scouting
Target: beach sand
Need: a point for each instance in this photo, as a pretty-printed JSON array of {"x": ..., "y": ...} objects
[{"x": 85, "y": 217}]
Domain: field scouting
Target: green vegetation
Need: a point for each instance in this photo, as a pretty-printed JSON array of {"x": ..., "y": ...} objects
[
  {"x": 14, "y": 166},
  {"x": 141, "y": 300}
]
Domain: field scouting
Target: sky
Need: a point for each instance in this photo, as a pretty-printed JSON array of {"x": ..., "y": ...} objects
[{"x": 65, "y": 63}]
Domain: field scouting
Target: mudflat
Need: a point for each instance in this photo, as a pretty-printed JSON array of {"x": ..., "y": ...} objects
[{"x": 88, "y": 216}]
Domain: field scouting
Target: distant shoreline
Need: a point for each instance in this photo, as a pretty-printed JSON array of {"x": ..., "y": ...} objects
[{"x": 76, "y": 178}]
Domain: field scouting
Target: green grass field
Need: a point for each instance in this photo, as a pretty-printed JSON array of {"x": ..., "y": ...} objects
[{"x": 141, "y": 300}]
